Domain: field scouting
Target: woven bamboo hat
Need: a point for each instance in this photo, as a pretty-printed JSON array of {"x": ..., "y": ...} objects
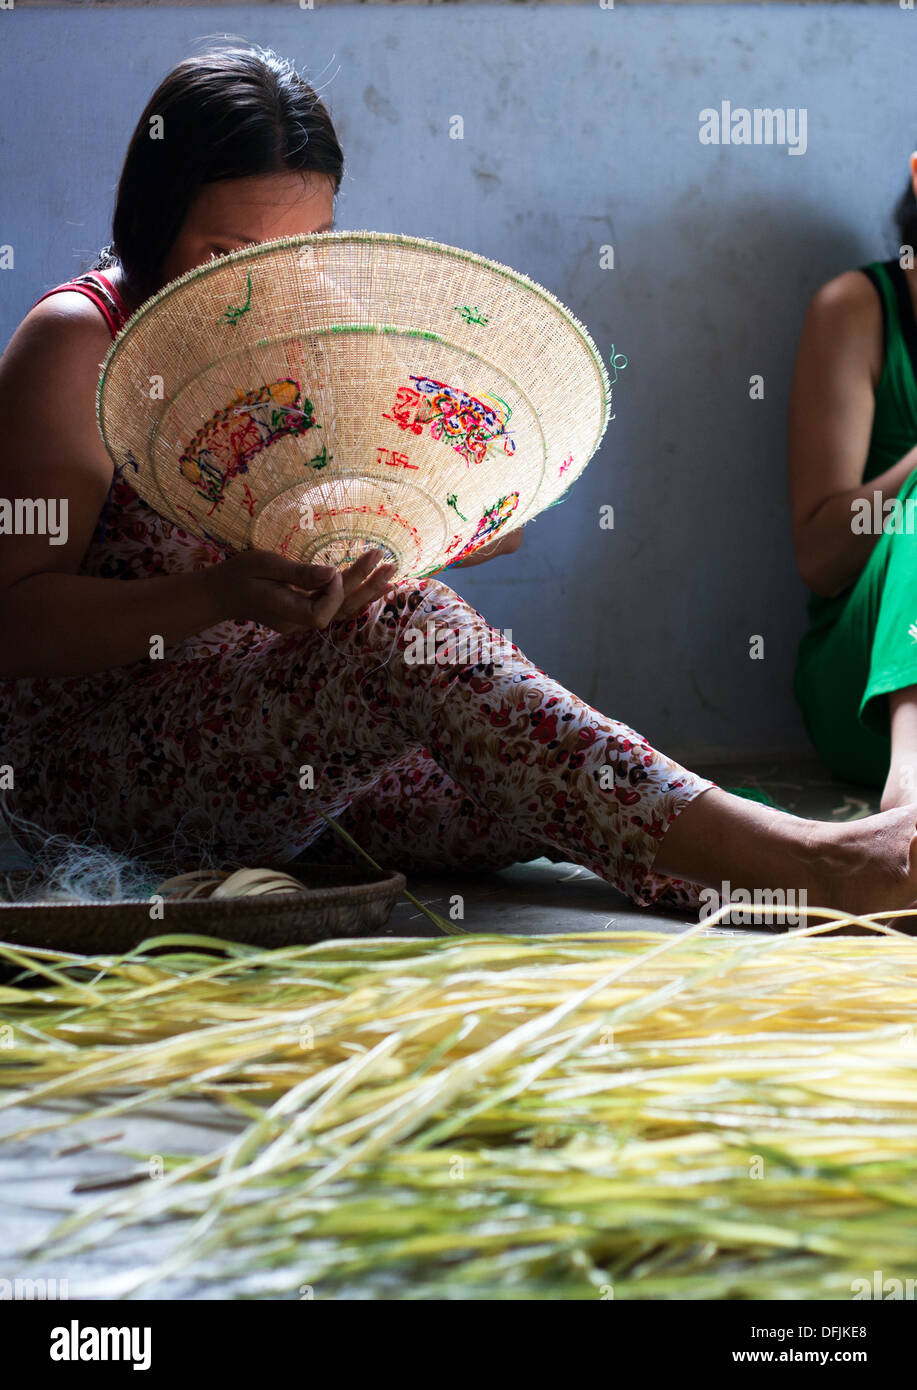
[{"x": 324, "y": 394}]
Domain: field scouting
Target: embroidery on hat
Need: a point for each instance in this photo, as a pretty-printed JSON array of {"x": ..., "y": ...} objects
[
  {"x": 226, "y": 444},
  {"x": 470, "y": 315},
  {"x": 493, "y": 520},
  {"x": 235, "y": 312},
  {"x": 469, "y": 424}
]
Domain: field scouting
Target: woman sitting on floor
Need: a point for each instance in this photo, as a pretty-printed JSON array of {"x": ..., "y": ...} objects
[
  {"x": 853, "y": 473},
  {"x": 465, "y": 765}
]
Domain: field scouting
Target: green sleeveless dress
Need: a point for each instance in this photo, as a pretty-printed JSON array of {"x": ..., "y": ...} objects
[{"x": 862, "y": 644}]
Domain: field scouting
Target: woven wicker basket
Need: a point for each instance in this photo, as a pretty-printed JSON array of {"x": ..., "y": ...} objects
[
  {"x": 322, "y": 395},
  {"x": 342, "y": 902}
]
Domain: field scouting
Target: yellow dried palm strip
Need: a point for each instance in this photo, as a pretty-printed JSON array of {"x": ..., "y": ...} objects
[
  {"x": 247, "y": 883},
  {"x": 443, "y": 924},
  {"x": 197, "y": 883},
  {"x": 241, "y": 883},
  {"x": 474, "y": 997}
]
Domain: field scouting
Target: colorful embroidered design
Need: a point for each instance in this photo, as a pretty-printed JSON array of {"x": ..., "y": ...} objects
[
  {"x": 454, "y": 544},
  {"x": 362, "y": 510},
  {"x": 493, "y": 520},
  {"x": 231, "y": 438},
  {"x": 565, "y": 465},
  {"x": 236, "y": 312},
  {"x": 452, "y": 501},
  {"x": 469, "y": 424},
  {"x": 211, "y": 540}
]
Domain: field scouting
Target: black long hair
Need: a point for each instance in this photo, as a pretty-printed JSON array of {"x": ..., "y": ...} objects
[{"x": 228, "y": 113}]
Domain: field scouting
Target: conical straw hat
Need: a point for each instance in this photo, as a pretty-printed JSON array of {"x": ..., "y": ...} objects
[{"x": 320, "y": 395}]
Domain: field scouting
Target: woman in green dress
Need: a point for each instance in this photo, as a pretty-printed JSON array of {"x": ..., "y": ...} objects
[{"x": 853, "y": 481}]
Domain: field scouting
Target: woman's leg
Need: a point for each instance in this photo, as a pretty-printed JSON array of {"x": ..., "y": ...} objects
[
  {"x": 856, "y": 679},
  {"x": 243, "y": 752},
  {"x": 566, "y": 773},
  {"x": 416, "y": 817},
  {"x": 335, "y": 712},
  {"x": 531, "y": 753},
  {"x": 901, "y": 782},
  {"x": 858, "y": 866}
]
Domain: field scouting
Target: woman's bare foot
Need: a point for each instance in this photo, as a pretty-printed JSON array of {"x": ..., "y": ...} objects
[{"x": 867, "y": 865}]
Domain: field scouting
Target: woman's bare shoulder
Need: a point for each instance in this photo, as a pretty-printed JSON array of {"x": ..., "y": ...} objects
[
  {"x": 62, "y": 333},
  {"x": 843, "y": 325},
  {"x": 49, "y": 373},
  {"x": 849, "y": 295},
  {"x": 70, "y": 309}
]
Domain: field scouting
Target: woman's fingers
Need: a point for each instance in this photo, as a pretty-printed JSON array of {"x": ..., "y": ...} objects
[
  {"x": 368, "y": 592},
  {"x": 289, "y": 608},
  {"x": 266, "y": 564},
  {"x": 357, "y": 573},
  {"x": 327, "y": 603},
  {"x": 312, "y": 577},
  {"x": 346, "y": 593}
]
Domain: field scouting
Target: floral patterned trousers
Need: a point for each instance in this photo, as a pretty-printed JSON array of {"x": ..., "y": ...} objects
[{"x": 397, "y": 722}]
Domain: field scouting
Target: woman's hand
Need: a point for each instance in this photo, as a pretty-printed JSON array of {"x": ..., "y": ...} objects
[{"x": 283, "y": 594}]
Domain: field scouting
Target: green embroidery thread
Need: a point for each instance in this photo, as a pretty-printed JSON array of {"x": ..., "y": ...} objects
[
  {"x": 470, "y": 315},
  {"x": 452, "y": 501},
  {"x": 235, "y": 312},
  {"x": 320, "y": 459}
]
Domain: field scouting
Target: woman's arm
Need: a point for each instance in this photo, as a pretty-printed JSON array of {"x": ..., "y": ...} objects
[
  {"x": 832, "y": 405},
  {"x": 57, "y": 622}
]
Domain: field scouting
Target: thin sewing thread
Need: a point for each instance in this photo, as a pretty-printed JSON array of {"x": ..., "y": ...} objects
[{"x": 351, "y": 659}]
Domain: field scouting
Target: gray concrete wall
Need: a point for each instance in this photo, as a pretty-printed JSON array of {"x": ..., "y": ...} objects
[{"x": 581, "y": 130}]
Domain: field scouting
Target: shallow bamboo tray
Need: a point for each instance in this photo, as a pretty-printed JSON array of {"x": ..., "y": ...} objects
[{"x": 342, "y": 902}]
